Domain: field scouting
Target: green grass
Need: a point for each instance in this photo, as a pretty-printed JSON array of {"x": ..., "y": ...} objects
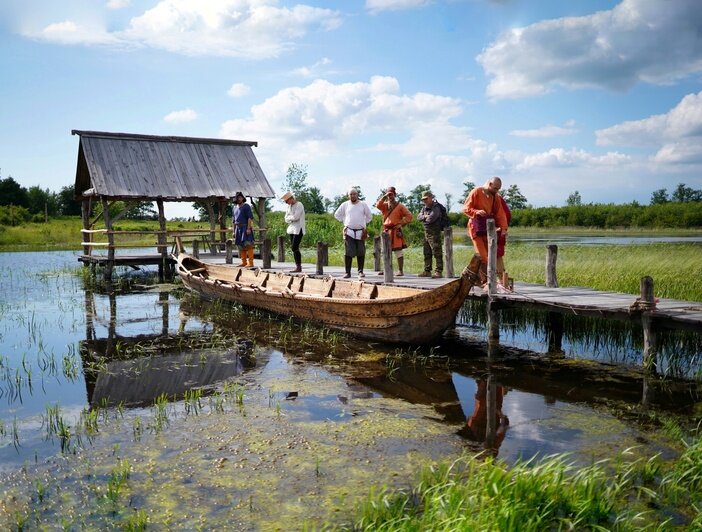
[{"x": 472, "y": 493}]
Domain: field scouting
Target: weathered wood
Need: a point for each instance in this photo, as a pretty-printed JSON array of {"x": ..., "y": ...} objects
[
  {"x": 448, "y": 252},
  {"x": 222, "y": 223},
  {"x": 648, "y": 302},
  {"x": 377, "y": 254},
  {"x": 85, "y": 215},
  {"x": 493, "y": 324},
  {"x": 320, "y": 258},
  {"x": 551, "y": 257},
  {"x": 213, "y": 234},
  {"x": 386, "y": 247},
  {"x": 647, "y": 296},
  {"x": 325, "y": 253},
  {"x": 196, "y": 248},
  {"x": 492, "y": 257},
  {"x": 387, "y": 313},
  {"x": 281, "y": 248},
  {"x": 266, "y": 253},
  {"x": 161, "y": 236},
  {"x": 229, "y": 250},
  {"x": 110, "y": 240}
]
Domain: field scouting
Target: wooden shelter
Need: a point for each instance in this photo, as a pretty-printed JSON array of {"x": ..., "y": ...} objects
[{"x": 136, "y": 168}]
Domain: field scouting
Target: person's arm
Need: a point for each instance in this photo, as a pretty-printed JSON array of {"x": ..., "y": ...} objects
[
  {"x": 406, "y": 216},
  {"x": 340, "y": 212},
  {"x": 368, "y": 215},
  {"x": 434, "y": 214},
  {"x": 472, "y": 207}
]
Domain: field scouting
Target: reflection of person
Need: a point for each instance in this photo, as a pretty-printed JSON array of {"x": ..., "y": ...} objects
[
  {"x": 395, "y": 215},
  {"x": 476, "y": 423},
  {"x": 355, "y": 215},
  {"x": 430, "y": 216},
  {"x": 242, "y": 216},
  {"x": 295, "y": 218},
  {"x": 481, "y": 205},
  {"x": 502, "y": 240}
]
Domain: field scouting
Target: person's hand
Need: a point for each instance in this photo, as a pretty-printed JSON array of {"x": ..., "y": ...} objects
[
  {"x": 248, "y": 229},
  {"x": 480, "y": 213}
]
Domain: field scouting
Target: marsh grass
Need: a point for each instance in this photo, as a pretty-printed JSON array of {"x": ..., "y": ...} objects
[{"x": 551, "y": 493}]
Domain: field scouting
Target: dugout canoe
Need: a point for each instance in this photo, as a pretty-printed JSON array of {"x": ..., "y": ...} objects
[{"x": 390, "y": 314}]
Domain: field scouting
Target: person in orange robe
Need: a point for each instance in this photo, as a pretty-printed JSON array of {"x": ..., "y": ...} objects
[
  {"x": 395, "y": 215},
  {"x": 481, "y": 204}
]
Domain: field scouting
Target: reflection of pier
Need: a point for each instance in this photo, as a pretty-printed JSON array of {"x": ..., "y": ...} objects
[{"x": 135, "y": 369}]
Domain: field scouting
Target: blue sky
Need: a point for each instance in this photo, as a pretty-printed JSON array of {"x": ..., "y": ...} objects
[{"x": 602, "y": 97}]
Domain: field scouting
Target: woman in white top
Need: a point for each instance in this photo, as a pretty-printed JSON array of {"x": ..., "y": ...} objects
[{"x": 295, "y": 218}]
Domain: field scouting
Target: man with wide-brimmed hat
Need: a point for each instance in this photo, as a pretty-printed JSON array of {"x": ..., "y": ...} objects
[
  {"x": 395, "y": 215},
  {"x": 430, "y": 216},
  {"x": 295, "y": 218},
  {"x": 242, "y": 217}
]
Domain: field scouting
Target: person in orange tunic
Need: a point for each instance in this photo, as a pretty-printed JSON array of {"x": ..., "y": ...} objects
[
  {"x": 395, "y": 215},
  {"x": 482, "y": 204}
]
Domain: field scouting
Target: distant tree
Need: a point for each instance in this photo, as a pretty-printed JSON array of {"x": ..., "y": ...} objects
[
  {"x": 514, "y": 198},
  {"x": 341, "y": 198},
  {"x": 574, "y": 199},
  {"x": 448, "y": 197},
  {"x": 467, "y": 187},
  {"x": 684, "y": 194},
  {"x": 12, "y": 193},
  {"x": 144, "y": 210},
  {"x": 296, "y": 179},
  {"x": 659, "y": 197},
  {"x": 67, "y": 205},
  {"x": 414, "y": 198},
  {"x": 42, "y": 200},
  {"x": 313, "y": 200}
]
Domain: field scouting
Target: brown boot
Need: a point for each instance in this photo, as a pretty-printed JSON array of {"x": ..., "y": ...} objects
[
  {"x": 298, "y": 269},
  {"x": 251, "y": 254},
  {"x": 242, "y": 257}
]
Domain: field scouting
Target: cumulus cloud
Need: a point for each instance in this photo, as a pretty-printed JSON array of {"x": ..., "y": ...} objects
[
  {"x": 677, "y": 133},
  {"x": 252, "y": 29},
  {"x": 636, "y": 41},
  {"x": 180, "y": 117},
  {"x": 375, "y": 6},
  {"x": 118, "y": 4},
  {"x": 546, "y": 131},
  {"x": 238, "y": 90}
]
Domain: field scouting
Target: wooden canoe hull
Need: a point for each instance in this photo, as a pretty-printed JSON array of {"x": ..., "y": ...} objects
[{"x": 384, "y": 313}]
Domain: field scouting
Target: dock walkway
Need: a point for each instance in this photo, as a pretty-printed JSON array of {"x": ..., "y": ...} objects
[{"x": 576, "y": 300}]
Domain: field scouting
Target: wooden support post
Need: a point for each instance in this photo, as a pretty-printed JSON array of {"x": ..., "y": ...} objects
[
  {"x": 377, "y": 254},
  {"x": 162, "y": 245},
  {"x": 222, "y": 223},
  {"x": 87, "y": 237},
  {"x": 551, "y": 256},
  {"x": 492, "y": 257},
  {"x": 648, "y": 302},
  {"x": 229, "y": 250},
  {"x": 196, "y": 248},
  {"x": 266, "y": 252},
  {"x": 320, "y": 258},
  {"x": 448, "y": 252},
  {"x": 213, "y": 225},
  {"x": 325, "y": 253},
  {"x": 281, "y": 248},
  {"x": 261, "y": 212},
  {"x": 388, "y": 274},
  {"x": 491, "y": 407},
  {"x": 493, "y": 321},
  {"x": 110, "y": 240},
  {"x": 163, "y": 301}
]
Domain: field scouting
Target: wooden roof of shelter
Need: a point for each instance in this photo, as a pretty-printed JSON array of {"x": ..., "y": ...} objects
[{"x": 147, "y": 167}]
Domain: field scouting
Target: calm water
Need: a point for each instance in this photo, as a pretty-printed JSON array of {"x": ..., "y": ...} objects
[{"x": 118, "y": 350}]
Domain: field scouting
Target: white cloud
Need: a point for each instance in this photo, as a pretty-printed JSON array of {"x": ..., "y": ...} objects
[
  {"x": 375, "y": 6},
  {"x": 636, "y": 41},
  {"x": 546, "y": 131},
  {"x": 238, "y": 90},
  {"x": 316, "y": 70},
  {"x": 180, "y": 117},
  {"x": 677, "y": 134},
  {"x": 251, "y": 29},
  {"x": 118, "y": 4}
]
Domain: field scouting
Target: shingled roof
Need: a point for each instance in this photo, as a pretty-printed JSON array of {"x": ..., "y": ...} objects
[{"x": 147, "y": 167}]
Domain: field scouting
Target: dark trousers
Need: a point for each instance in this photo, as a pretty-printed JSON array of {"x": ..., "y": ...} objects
[{"x": 295, "y": 244}]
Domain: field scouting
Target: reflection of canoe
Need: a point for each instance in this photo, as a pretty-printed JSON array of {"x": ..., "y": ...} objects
[{"x": 392, "y": 314}]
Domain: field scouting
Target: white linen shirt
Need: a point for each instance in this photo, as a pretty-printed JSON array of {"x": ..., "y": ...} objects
[
  {"x": 355, "y": 217},
  {"x": 295, "y": 218}
]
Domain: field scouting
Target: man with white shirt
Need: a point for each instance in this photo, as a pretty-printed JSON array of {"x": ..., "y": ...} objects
[{"x": 355, "y": 215}]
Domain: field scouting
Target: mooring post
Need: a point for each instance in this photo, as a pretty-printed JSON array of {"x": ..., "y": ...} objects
[
  {"x": 110, "y": 239},
  {"x": 325, "y": 253},
  {"x": 229, "y": 250},
  {"x": 388, "y": 275},
  {"x": 266, "y": 252},
  {"x": 281, "y": 248},
  {"x": 648, "y": 304},
  {"x": 493, "y": 315},
  {"x": 320, "y": 258},
  {"x": 551, "y": 256},
  {"x": 196, "y": 248},
  {"x": 377, "y": 255},
  {"x": 448, "y": 252}
]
